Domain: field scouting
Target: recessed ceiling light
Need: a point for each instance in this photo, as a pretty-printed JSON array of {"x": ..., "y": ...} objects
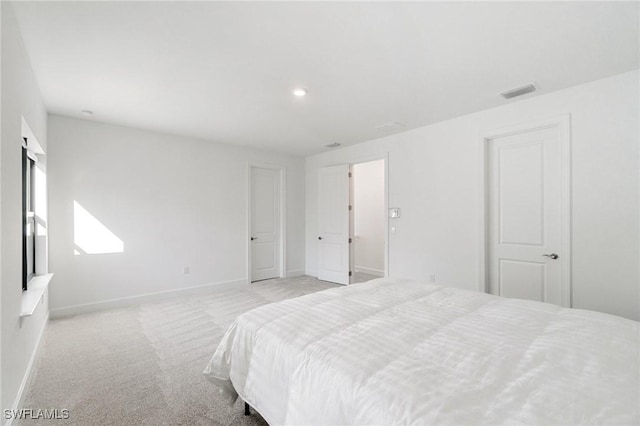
[
  {"x": 87, "y": 113},
  {"x": 300, "y": 92}
]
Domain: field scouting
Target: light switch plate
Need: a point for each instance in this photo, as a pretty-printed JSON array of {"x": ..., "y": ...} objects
[{"x": 394, "y": 213}]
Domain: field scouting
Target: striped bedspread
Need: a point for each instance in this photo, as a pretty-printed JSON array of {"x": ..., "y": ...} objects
[{"x": 395, "y": 352}]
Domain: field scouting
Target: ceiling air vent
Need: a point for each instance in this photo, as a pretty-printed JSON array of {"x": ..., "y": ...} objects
[
  {"x": 333, "y": 145},
  {"x": 519, "y": 91}
]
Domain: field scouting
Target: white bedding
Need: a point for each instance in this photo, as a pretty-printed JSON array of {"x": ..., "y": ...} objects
[{"x": 392, "y": 352}]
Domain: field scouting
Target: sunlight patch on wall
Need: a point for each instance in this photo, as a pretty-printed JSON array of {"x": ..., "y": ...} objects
[
  {"x": 90, "y": 236},
  {"x": 41, "y": 194}
]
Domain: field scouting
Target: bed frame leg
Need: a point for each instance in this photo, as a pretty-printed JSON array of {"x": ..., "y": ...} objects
[{"x": 247, "y": 410}]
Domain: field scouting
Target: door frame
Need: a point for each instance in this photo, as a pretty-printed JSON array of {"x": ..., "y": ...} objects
[
  {"x": 283, "y": 216},
  {"x": 563, "y": 124}
]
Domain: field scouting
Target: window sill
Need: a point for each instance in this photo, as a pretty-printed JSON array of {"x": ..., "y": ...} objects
[{"x": 32, "y": 296}]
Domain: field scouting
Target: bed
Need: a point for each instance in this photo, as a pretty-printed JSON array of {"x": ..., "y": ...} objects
[{"x": 392, "y": 352}]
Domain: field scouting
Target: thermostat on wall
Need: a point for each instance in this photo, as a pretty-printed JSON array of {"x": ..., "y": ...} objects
[{"x": 394, "y": 213}]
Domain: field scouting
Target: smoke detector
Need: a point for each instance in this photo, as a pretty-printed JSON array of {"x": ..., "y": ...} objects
[
  {"x": 391, "y": 125},
  {"x": 518, "y": 91},
  {"x": 333, "y": 145}
]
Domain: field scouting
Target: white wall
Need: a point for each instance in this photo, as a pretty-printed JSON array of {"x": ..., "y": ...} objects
[
  {"x": 20, "y": 98},
  {"x": 369, "y": 217},
  {"x": 1, "y": 25},
  {"x": 434, "y": 174},
  {"x": 173, "y": 201}
]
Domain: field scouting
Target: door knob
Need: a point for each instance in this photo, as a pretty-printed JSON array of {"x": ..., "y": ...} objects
[
  {"x": 552, "y": 256},
  {"x": 254, "y": 238},
  {"x": 319, "y": 238}
]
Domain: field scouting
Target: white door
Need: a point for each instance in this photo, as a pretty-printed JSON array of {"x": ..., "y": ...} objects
[
  {"x": 524, "y": 216},
  {"x": 333, "y": 224},
  {"x": 265, "y": 223},
  {"x": 352, "y": 257}
]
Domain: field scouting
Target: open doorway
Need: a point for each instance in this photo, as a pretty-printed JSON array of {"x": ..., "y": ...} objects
[
  {"x": 368, "y": 221},
  {"x": 352, "y": 222}
]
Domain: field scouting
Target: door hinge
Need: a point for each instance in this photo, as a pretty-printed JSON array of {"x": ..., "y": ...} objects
[
  {"x": 350, "y": 273},
  {"x": 350, "y": 207},
  {"x": 349, "y": 240},
  {"x": 349, "y": 174}
]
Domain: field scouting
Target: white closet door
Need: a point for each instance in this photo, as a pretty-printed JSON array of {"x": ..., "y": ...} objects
[
  {"x": 525, "y": 216},
  {"x": 265, "y": 223}
]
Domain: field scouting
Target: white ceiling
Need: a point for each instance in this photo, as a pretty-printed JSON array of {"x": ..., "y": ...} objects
[{"x": 224, "y": 71}]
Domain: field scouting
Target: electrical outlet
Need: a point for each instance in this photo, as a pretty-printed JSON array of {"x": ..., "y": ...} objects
[
  {"x": 432, "y": 278},
  {"x": 186, "y": 270}
]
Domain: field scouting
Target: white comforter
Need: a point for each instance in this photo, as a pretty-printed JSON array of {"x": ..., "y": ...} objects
[{"x": 391, "y": 352}]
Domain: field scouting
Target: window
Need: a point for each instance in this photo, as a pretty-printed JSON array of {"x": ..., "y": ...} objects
[{"x": 28, "y": 215}]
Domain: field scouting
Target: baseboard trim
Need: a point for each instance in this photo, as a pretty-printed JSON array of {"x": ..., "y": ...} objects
[
  {"x": 295, "y": 273},
  {"x": 26, "y": 379},
  {"x": 376, "y": 272},
  {"x": 145, "y": 298}
]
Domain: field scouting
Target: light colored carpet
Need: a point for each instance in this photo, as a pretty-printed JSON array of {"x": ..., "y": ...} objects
[
  {"x": 142, "y": 365},
  {"x": 361, "y": 277}
]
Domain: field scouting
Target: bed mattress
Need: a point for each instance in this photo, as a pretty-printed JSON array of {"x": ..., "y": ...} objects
[{"x": 395, "y": 352}]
